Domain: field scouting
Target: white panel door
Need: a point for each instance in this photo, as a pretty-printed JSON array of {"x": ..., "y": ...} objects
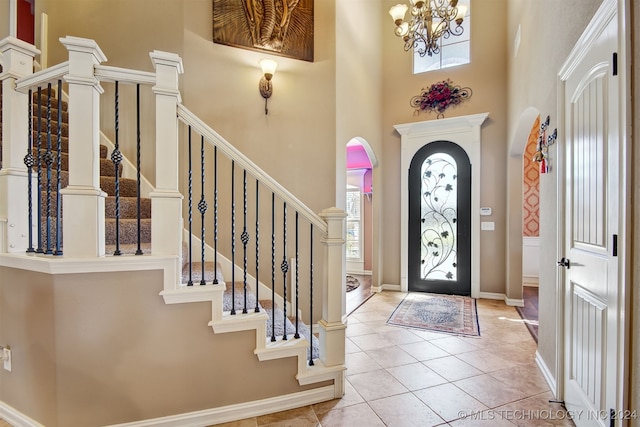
[{"x": 591, "y": 207}]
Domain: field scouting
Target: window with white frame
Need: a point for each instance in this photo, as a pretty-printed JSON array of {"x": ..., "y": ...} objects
[
  {"x": 454, "y": 51},
  {"x": 354, "y": 223}
]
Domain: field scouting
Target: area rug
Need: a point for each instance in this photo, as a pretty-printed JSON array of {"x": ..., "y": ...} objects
[
  {"x": 452, "y": 314},
  {"x": 352, "y": 283}
]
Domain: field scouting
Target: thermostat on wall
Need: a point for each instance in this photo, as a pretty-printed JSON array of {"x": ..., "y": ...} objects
[{"x": 485, "y": 211}]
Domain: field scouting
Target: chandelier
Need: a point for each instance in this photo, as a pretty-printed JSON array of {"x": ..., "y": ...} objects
[{"x": 430, "y": 20}]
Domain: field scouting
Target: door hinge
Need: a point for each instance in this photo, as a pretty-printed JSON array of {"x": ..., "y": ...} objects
[
  {"x": 615, "y": 63},
  {"x": 615, "y": 245}
]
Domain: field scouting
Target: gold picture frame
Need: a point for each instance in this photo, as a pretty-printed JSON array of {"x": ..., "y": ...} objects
[{"x": 280, "y": 27}]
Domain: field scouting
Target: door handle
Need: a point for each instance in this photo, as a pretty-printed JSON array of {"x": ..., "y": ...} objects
[{"x": 564, "y": 262}]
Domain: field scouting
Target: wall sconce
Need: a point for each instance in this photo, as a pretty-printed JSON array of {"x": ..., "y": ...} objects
[{"x": 266, "y": 87}]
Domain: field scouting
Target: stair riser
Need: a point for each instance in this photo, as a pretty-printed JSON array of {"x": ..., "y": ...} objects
[
  {"x": 64, "y": 144},
  {"x": 44, "y": 99},
  {"x": 128, "y": 232},
  {"x": 128, "y": 187},
  {"x": 128, "y": 206},
  {"x": 106, "y": 166},
  {"x": 54, "y": 128}
]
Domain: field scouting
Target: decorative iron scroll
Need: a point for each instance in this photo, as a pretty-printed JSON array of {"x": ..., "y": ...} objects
[
  {"x": 439, "y": 212},
  {"x": 440, "y": 96}
]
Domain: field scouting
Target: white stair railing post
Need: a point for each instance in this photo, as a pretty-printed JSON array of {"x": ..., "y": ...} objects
[
  {"x": 332, "y": 325},
  {"x": 83, "y": 200},
  {"x": 166, "y": 200},
  {"x": 16, "y": 58}
]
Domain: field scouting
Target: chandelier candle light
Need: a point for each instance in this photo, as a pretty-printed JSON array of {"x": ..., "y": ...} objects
[{"x": 430, "y": 20}]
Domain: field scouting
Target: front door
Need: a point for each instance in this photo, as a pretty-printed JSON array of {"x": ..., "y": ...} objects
[
  {"x": 591, "y": 288},
  {"x": 440, "y": 220}
]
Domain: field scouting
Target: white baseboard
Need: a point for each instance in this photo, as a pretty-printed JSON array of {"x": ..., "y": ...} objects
[
  {"x": 385, "y": 287},
  {"x": 530, "y": 281},
  {"x": 498, "y": 296},
  {"x": 514, "y": 302},
  {"x": 492, "y": 295},
  {"x": 360, "y": 272},
  {"x": 16, "y": 418},
  {"x": 546, "y": 373},
  {"x": 240, "y": 411}
]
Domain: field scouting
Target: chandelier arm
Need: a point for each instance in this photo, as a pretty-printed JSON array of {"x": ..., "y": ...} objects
[{"x": 430, "y": 20}]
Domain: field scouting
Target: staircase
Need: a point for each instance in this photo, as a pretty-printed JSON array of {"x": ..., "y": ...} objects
[
  {"x": 280, "y": 332},
  {"x": 277, "y": 323}
]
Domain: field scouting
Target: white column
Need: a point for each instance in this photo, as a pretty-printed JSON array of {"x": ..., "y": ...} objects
[
  {"x": 16, "y": 57},
  {"x": 332, "y": 325},
  {"x": 83, "y": 219},
  {"x": 166, "y": 200}
]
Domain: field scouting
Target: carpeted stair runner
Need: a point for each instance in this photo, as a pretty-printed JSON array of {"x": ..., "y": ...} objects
[
  {"x": 271, "y": 311},
  {"x": 128, "y": 187}
]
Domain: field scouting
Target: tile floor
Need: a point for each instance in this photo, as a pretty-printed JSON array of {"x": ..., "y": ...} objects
[{"x": 407, "y": 377}]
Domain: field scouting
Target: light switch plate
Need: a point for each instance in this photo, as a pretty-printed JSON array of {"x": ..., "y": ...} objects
[{"x": 487, "y": 225}]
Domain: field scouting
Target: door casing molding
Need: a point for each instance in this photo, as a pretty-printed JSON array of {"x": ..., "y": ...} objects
[{"x": 466, "y": 132}]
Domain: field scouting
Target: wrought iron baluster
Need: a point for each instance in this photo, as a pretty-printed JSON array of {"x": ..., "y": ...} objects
[
  {"x": 190, "y": 282},
  {"x": 297, "y": 335},
  {"x": 285, "y": 268},
  {"x": 116, "y": 158},
  {"x": 233, "y": 237},
  {"x": 29, "y": 162},
  {"x": 202, "y": 207},
  {"x": 39, "y": 168},
  {"x": 257, "y": 309},
  {"x": 311, "y": 296},
  {"x": 48, "y": 160},
  {"x": 244, "y": 237},
  {"x": 138, "y": 180},
  {"x": 273, "y": 267},
  {"x": 58, "y": 173},
  {"x": 215, "y": 215}
]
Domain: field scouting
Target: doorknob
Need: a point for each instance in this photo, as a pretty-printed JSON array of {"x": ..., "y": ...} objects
[{"x": 564, "y": 262}]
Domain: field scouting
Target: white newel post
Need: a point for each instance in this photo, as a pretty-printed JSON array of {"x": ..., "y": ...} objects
[
  {"x": 83, "y": 200},
  {"x": 16, "y": 58},
  {"x": 166, "y": 200},
  {"x": 332, "y": 325}
]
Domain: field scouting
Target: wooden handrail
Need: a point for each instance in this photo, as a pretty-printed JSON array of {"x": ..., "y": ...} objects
[{"x": 230, "y": 151}]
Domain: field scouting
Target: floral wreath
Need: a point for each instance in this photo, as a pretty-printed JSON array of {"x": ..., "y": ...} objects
[{"x": 440, "y": 96}]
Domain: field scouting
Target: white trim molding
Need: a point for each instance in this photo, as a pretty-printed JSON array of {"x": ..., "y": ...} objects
[
  {"x": 464, "y": 131},
  {"x": 547, "y": 374},
  {"x": 501, "y": 297}
]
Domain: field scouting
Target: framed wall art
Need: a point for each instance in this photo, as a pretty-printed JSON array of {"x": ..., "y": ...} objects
[{"x": 281, "y": 27}]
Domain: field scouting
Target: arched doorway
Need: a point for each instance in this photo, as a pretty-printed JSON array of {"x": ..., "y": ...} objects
[
  {"x": 440, "y": 220},
  {"x": 360, "y": 161},
  {"x": 464, "y": 131}
]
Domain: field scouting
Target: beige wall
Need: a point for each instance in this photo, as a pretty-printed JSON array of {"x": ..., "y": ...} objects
[
  {"x": 549, "y": 30},
  {"x": 485, "y": 76},
  {"x": 359, "y": 107},
  {"x": 104, "y": 348},
  {"x": 4, "y": 21}
]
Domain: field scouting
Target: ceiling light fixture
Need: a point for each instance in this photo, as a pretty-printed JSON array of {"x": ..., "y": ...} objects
[{"x": 430, "y": 20}]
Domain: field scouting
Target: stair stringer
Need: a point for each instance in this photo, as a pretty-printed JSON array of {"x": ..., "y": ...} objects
[{"x": 265, "y": 349}]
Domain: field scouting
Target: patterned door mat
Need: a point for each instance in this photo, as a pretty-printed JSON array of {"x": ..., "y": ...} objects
[{"x": 452, "y": 314}]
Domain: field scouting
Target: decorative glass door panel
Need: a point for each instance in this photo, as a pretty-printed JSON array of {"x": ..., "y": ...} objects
[
  {"x": 440, "y": 220},
  {"x": 439, "y": 211}
]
